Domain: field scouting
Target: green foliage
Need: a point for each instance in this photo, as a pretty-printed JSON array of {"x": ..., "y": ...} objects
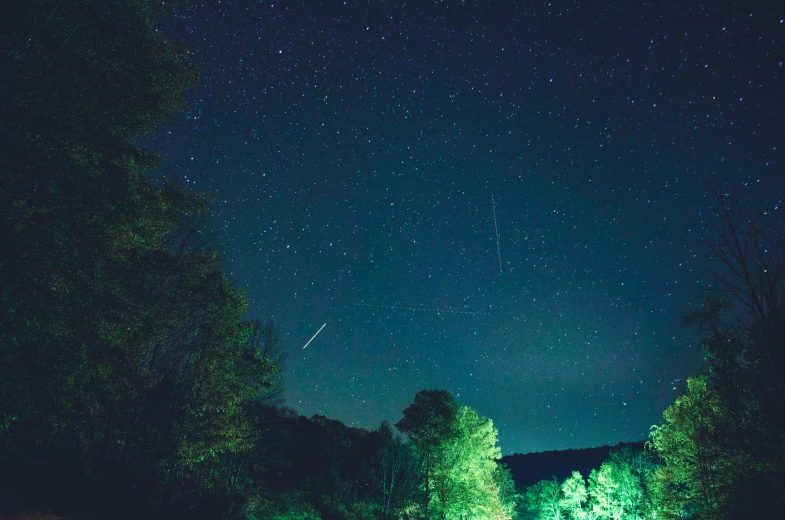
[
  {"x": 509, "y": 498},
  {"x": 699, "y": 470},
  {"x": 574, "y": 498},
  {"x": 281, "y": 506},
  {"x": 431, "y": 419},
  {"x": 127, "y": 366},
  {"x": 618, "y": 490},
  {"x": 543, "y": 500},
  {"x": 393, "y": 473},
  {"x": 742, "y": 323},
  {"x": 605, "y": 492},
  {"x": 615, "y": 491},
  {"x": 124, "y": 350},
  {"x": 463, "y": 475},
  {"x": 460, "y": 477}
]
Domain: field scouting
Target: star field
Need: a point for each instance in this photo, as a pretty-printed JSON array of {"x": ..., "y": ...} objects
[{"x": 357, "y": 150}]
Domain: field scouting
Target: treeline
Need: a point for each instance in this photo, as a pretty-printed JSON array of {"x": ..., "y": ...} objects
[
  {"x": 617, "y": 490},
  {"x": 448, "y": 469},
  {"x": 530, "y": 468}
]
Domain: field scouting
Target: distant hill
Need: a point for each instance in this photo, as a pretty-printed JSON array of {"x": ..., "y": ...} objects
[{"x": 530, "y": 468}]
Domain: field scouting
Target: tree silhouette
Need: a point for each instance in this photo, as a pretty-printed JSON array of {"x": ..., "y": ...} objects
[{"x": 430, "y": 421}]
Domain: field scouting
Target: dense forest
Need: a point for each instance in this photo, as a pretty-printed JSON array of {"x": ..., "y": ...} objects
[{"x": 132, "y": 382}]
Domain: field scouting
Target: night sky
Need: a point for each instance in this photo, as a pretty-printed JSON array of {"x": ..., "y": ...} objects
[{"x": 479, "y": 197}]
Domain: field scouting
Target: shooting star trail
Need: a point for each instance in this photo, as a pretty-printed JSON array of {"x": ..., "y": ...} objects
[
  {"x": 496, "y": 228},
  {"x": 317, "y": 333}
]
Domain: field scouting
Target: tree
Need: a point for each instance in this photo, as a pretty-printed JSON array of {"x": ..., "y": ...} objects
[
  {"x": 544, "y": 500},
  {"x": 698, "y": 470},
  {"x": 604, "y": 492},
  {"x": 742, "y": 386},
  {"x": 430, "y": 422},
  {"x": 745, "y": 354},
  {"x": 124, "y": 352},
  {"x": 83, "y": 81},
  {"x": 618, "y": 489},
  {"x": 394, "y": 472},
  {"x": 463, "y": 474},
  {"x": 574, "y": 499},
  {"x": 508, "y": 494},
  {"x": 670, "y": 493},
  {"x": 634, "y": 470}
]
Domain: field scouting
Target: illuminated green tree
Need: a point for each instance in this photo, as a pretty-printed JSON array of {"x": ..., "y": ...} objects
[
  {"x": 604, "y": 492},
  {"x": 634, "y": 470},
  {"x": 699, "y": 469},
  {"x": 508, "y": 494},
  {"x": 575, "y": 498},
  {"x": 617, "y": 490},
  {"x": 458, "y": 449},
  {"x": 544, "y": 499},
  {"x": 463, "y": 475},
  {"x": 670, "y": 493}
]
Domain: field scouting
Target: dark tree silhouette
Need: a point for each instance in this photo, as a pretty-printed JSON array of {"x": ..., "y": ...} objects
[
  {"x": 429, "y": 422},
  {"x": 742, "y": 320}
]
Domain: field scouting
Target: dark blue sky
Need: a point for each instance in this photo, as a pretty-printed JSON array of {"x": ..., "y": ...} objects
[{"x": 356, "y": 147}]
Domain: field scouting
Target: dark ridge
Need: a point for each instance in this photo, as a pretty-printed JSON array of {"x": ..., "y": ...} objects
[{"x": 530, "y": 468}]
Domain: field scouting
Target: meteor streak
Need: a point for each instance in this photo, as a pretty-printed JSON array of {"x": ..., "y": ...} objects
[
  {"x": 496, "y": 228},
  {"x": 317, "y": 333}
]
